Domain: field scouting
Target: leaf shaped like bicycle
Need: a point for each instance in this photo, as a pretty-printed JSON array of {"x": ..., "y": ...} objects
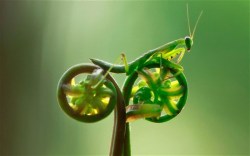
[{"x": 155, "y": 89}]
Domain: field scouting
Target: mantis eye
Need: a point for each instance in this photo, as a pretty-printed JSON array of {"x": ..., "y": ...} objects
[{"x": 188, "y": 42}]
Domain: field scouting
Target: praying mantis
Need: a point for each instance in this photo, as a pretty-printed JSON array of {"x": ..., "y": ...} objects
[
  {"x": 170, "y": 53},
  {"x": 155, "y": 89}
]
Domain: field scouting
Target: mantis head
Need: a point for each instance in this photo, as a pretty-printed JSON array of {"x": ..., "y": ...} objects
[
  {"x": 189, "y": 39},
  {"x": 188, "y": 42}
]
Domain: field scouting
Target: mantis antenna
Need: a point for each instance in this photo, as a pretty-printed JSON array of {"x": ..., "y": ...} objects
[
  {"x": 192, "y": 36},
  {"x": 188, "y": 22}
]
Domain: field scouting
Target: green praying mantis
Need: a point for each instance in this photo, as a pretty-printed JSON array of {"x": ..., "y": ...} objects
[
  {"x": 155, "y": 89},
  {"x": 167, "y": 52}
]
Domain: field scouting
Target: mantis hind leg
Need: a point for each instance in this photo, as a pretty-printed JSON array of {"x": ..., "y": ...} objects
[
  {"x": 125, "y": 62},
  {"x": 101, "y": 81}
]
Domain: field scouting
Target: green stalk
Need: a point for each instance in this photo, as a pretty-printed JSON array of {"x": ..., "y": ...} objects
[
  {"x": 127, "y": 88},
  {"x": 117, "y": 143}
]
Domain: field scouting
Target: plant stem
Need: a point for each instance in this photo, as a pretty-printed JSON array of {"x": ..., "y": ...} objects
[
  {"x": 117, "y": 143},
  {"x": 127, "y": 149},
  {"x": 127, "y": 88}
]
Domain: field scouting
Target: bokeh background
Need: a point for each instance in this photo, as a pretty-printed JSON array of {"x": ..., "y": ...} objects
[{"x": 40, "y": 40}]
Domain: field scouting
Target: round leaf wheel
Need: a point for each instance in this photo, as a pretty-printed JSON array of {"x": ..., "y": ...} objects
[
  {"x": 168, "y": 95},
  {"x": 172, "y": 105},
  {"x": 90, "y": 100}
]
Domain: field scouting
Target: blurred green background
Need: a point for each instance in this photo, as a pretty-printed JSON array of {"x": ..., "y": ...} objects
[{"x": 40, "y": 40}]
